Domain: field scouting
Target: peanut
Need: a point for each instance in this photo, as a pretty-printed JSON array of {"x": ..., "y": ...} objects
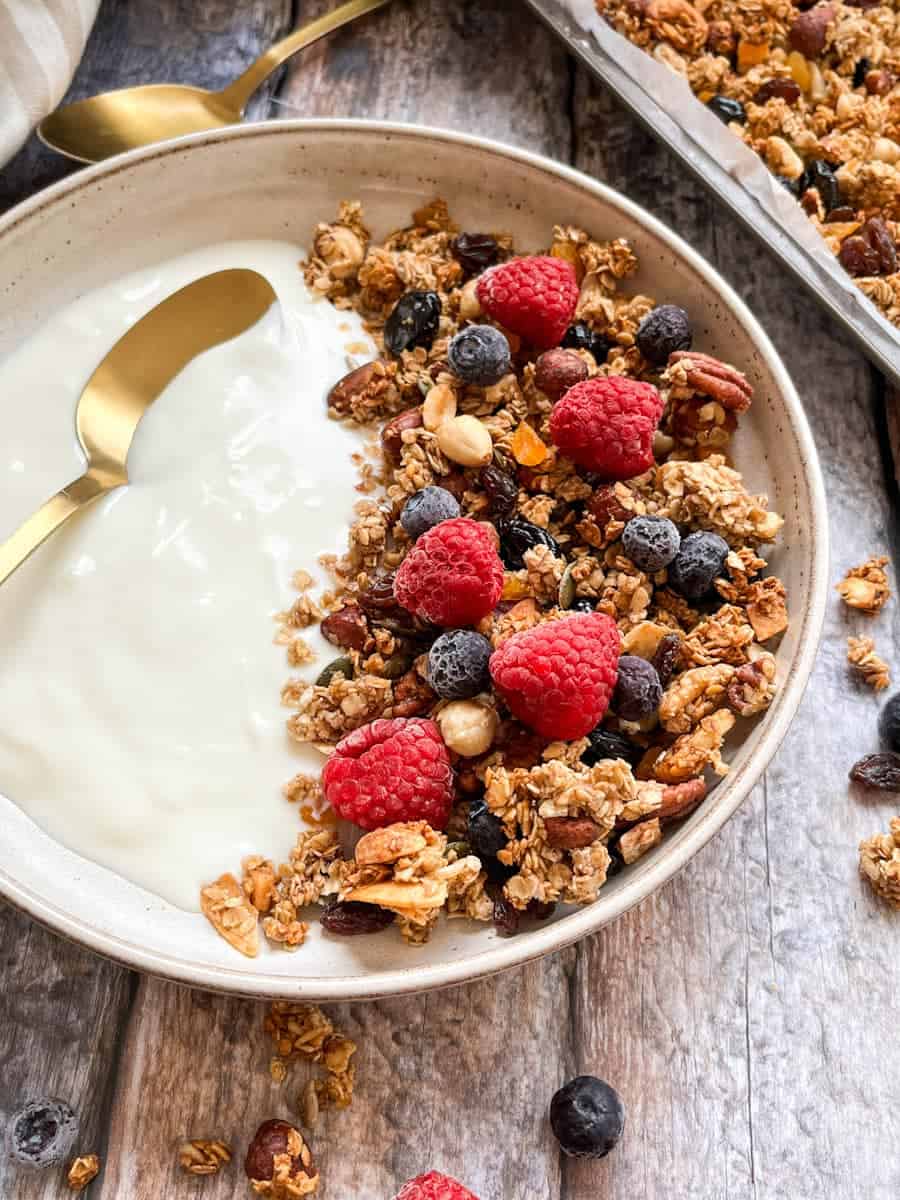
[
  {"x": 465, "y": 440},
  {"x": 439, "y": 406}
]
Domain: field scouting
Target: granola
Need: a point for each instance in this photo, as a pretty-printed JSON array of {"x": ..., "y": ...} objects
[
  {"x": 560, "y": 812},
  {"x": 817, "y": 95},
  {"x": 82, "y": 1170},
  {"x": 204, "y": 1156},
  {"x": 870, "y": 667},
  {"x": 304, "y": 1032},
  {"x": 879, "y": 862},
  {"x": 866, "y": 587}
]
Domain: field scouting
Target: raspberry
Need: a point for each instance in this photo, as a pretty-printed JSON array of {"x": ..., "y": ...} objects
[
  {"x": 558, "y": 677},
  {"x": 427, "y": 508},
  {"x": 434, "y": 1186},
  {"x": 390, "y": 770},
  {"x": 452, "y": 576},
  {"x": 479, "y": 354},
  {"x": 606, "y": 424},
  {"x": 533, "y": 297}
]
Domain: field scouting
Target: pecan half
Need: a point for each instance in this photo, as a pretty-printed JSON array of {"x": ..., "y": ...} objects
[
  {"x": 678, "y": 799},
  {"x": 753, "y": 686},
  {"x": 571, "y": 833},
  {"x": 412, "y": 695},
  {"x": 720, "y": 381}
]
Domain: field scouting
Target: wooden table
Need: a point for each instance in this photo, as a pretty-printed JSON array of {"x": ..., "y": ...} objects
[{"x": 748, "y": 1012}]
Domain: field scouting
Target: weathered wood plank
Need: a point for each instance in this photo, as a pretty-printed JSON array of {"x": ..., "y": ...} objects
[
  {"x": 205, "y": 42},
  {"x": 61, "y": 1010},
  {"x": 745, "y": 1011}
]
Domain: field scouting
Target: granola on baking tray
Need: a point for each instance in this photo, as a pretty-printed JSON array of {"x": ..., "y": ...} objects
[
  {"x": 814, "y": 89},
  {"x": 552, "y": 611}
]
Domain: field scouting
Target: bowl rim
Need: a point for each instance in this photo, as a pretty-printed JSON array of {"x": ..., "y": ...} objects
[{"x": 536, "y": 943}]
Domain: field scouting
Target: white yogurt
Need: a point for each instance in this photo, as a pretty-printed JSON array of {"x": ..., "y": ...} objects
[{"x": 140, "y": 722}]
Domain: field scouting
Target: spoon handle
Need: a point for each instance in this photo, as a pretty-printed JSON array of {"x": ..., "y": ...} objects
[
  {"x": 238, "y": 93},
  {"x": 48, "y": 518}
]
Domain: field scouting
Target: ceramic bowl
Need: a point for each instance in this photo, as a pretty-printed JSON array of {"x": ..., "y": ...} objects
[{"x": 276, "y": 180}]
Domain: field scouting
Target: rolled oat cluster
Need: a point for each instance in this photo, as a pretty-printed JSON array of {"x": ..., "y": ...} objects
[{"x": 553, "y": 608}]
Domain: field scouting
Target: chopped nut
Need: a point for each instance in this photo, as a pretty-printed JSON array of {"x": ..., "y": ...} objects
[
  {"x": 340, "y": 249},
  {"x": 873, "y": 669},
  {"x": 258, "y": 882},
  {"x": 231, "y": 914},
  {"x": 753, "y": 686},
  {"x": 203, "y": 1156},
  {"x": 465, "y": 440},
  {"x": 82, "y": 1170},
  {"x": 866, "y": 587},
  {"x": 391, "y": 843},
  {"x": 766, "y": 608},
  {"x": 693, "y": 695},
  {"x": 439, "y": 406},
  {"x": 879, "y": 862}
]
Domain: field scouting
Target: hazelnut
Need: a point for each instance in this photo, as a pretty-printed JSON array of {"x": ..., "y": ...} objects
[
  {"x": 278, "y": 1154},
  {"x": 468, "y": 726},
  {"x": 439, "y": 406},
  {"x": 465, "y": 440},
  {"x": 340, "y": 249},
  {"x": 878, "y": 83},
  {"x": 808, "y": 32},
  {"x": 558, "y": 370}
]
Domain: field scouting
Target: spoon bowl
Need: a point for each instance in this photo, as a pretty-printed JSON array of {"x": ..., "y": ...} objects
[
  {"x": 91, "y": 130},
  {"x": 137, "y": 369}
]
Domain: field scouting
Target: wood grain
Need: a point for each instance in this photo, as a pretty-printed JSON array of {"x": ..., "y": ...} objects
[{"x": 747, "y": 1012}]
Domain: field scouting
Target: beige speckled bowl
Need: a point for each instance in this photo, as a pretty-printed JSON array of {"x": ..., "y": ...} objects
[{"x": 276, "y": 180}]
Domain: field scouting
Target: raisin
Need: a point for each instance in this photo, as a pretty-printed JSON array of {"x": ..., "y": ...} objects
[
  {"x": 860, "y": 71},
  {"x": 347, "y": 628},
  {"x": 349, "y": 918},
  {"x": 505, "y": 917},
  {"x": 667, "y": 658},
  {"x": 540, "y": 910},
  {"x": 475, "y": 252},
  {"x": 605, "y": 506},
  {"x": 727, "y": 110},
  {"x": 502, "y": 491},
  {"x": 517, "y": 535},
  {"x": 878, "y": 771},
  {"x": 820, "y": 175},
  {"x": 781, "y": 89},
  {"x": 869, "y": 251},
  {"x": 413, "y": 322}
]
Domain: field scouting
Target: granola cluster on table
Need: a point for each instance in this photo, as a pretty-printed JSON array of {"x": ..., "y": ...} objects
[
  {"x": 553, "y": 608},
  {"x": 815, "y": 91}
]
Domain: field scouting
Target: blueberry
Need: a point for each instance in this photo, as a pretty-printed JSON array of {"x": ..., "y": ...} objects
[
  {"x": 518, "y": 535},
  {"x": 427, "y": 508},
  {"x": 458, "y": 664},
  {"x": 485, "y": 833},
  {"x": 638, "y": 690},
  {"x": 608, "y": 743},
  {"x": 699, "y": 561},
  {"x": 580, "y": 336},
  {"x": 587, "y": 1117},
  {"x": 414, "y": 321},
  {"x": 651, "y": 542},
  {"x": 664, "y": 329},
  {"x": 889, "y": 723},
  {"x": 42, "y": 1132},
  {"x": 582, "y": 604},
  {"x": 479, "y": 354},
  {"x": 727, "y": 110}
]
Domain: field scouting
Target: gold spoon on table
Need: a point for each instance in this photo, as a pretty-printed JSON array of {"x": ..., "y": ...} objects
[
  {"x": 96, "y": 128},
  {"x": 140, "y": 365}
]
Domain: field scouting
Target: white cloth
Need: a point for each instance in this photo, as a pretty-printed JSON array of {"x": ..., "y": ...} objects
[{"x": 41, "y": 43}]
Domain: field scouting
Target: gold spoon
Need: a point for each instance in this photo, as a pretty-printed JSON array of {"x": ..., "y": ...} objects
[
  {"x": 94, "y": 129},
  {"x": 155, "y": 349}
]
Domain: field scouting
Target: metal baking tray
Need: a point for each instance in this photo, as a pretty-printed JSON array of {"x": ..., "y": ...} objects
[{"x": 742, "y": 184}]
